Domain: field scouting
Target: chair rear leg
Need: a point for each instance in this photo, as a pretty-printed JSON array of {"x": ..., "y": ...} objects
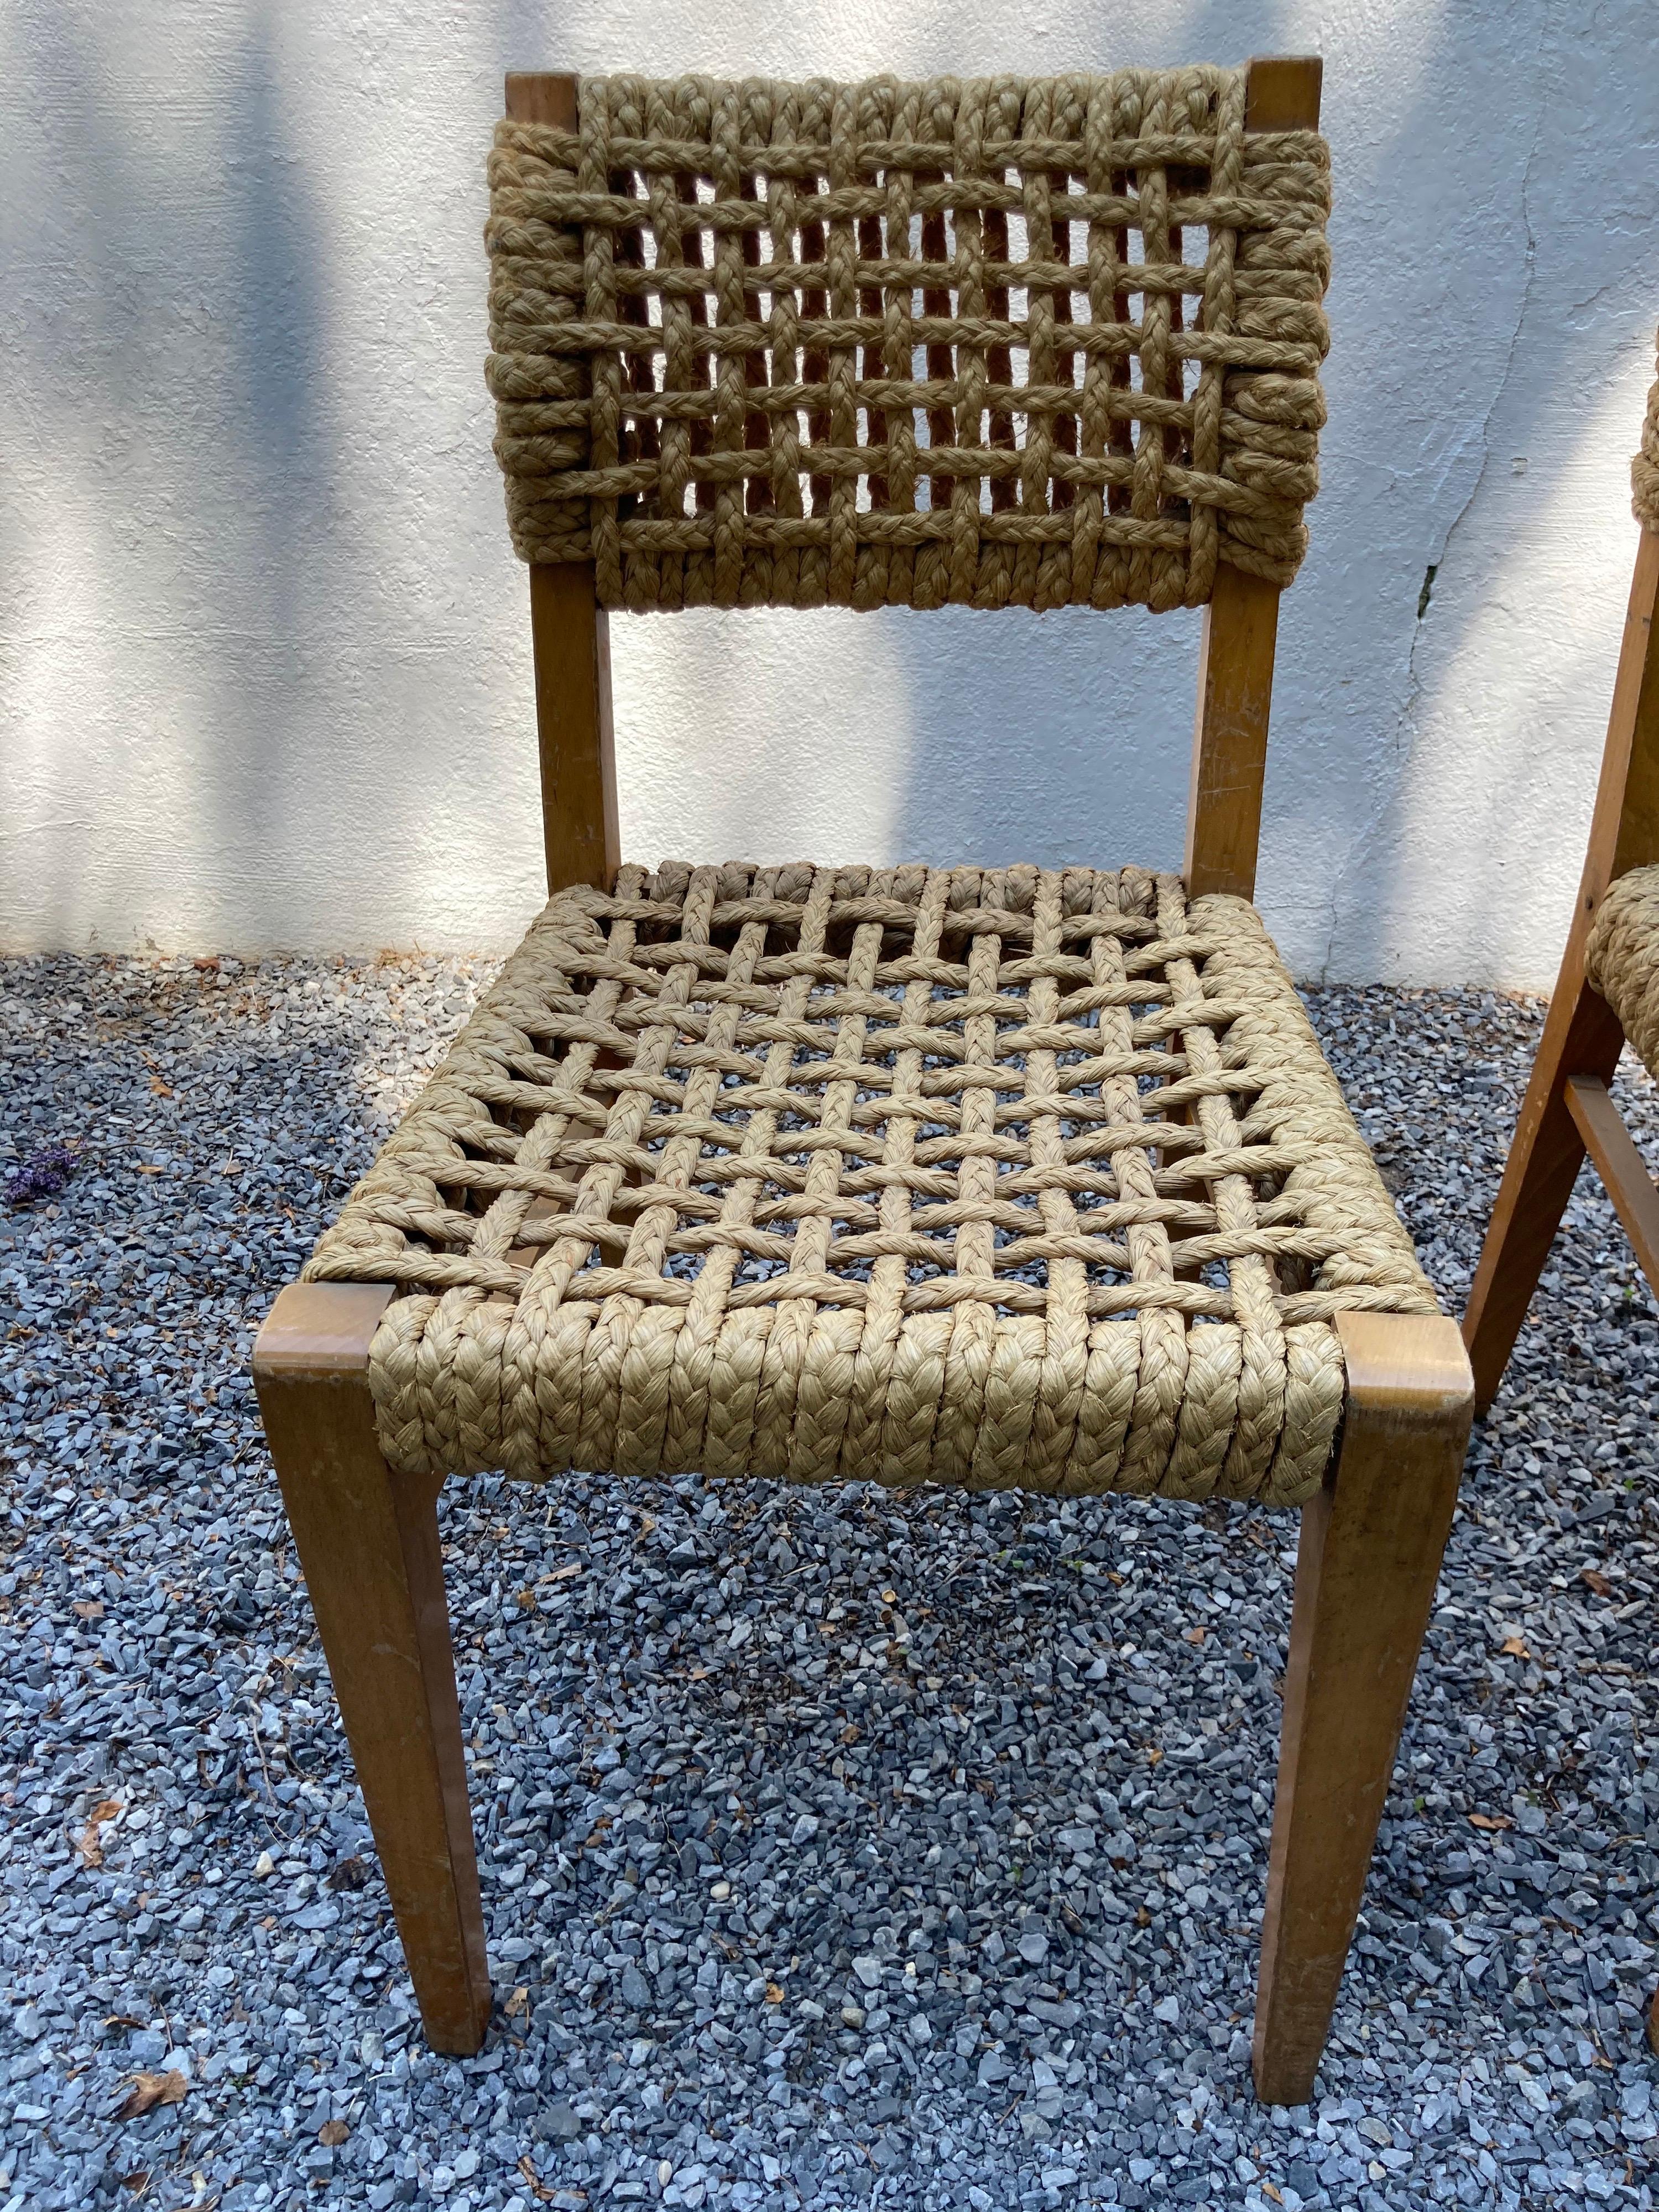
[
  {"x": 367, "y": 1541},
  {"x": 1371, "y": 1549}
]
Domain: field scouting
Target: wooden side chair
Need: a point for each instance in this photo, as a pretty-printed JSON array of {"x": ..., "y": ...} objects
[
  {"x": 995, "y": 1176},
  {"x": 1607, "y": 991}
]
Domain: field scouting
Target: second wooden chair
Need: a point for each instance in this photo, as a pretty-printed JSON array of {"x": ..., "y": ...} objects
[{"x": 1608, "y": 992}]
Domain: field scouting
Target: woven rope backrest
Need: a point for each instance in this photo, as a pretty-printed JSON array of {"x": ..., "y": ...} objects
[
  {"x": 1644, "y": 467},
  {"x": 1009, "y": 341}
]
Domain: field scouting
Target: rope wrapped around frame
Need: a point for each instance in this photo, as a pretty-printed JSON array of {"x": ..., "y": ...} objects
[
  {"x": 996, "y": 1177},
  {"x": 1621, "y": 958},
  {"x": 875, "y": 344},
  {"x": 1644, "y": 467}
]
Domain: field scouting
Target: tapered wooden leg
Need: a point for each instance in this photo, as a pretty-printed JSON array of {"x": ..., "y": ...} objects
[
  {"x": 368, "y": 1544},
  {"x": 1371, "y": 1543},
  {"x": 1582, "y": 1037}
]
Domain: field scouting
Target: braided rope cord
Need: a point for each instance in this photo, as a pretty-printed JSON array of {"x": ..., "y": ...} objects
[
  {"x": 1645, "y": 469},
  {"x": 1621, "y": 958},
  {"x": 904, "y": 344},
  {"x": 984, "y": 1177}
]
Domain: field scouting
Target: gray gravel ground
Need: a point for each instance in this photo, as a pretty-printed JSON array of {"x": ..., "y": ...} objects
[{"x": 837, "y": 1848}]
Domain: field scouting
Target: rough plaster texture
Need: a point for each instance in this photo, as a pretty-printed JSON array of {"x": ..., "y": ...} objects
[{"x": 265, "y": 673}]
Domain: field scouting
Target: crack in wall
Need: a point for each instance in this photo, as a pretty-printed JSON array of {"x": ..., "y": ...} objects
[{"x": 1398, "y": 750}]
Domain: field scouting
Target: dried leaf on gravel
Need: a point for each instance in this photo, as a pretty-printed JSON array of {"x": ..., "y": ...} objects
[
  {"x": 87, "y": 1843},
  {"x": 1592, "y": 1581},
  {"x": 1491, "y": 1820},
  {"x": 533, "y": 2181},
  {"x": 150, "y": 2090},
  {"x": 333, "y": 2133},
  {"x": 1513, "y": 1648}
]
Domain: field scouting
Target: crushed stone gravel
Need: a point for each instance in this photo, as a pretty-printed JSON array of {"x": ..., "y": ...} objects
[{"x": 838, "y": 1849}]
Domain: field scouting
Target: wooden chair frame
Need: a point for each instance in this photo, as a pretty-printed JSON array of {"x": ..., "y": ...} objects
[
  {"x": 1370, "y": 1542},
  {"x": 1568, "y": 1109}
]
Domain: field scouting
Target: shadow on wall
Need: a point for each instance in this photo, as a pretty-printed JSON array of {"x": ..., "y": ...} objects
[
  {"x": 1524, "y": 310},
  {"x": 954, "y": 737},
  {"x": 725, "y": 753},
  {"x": 1535, "y": 584},
  {"x": 194, "y": 451},
  {"x": 255, "y": 647},
  {"x": 1053, "y": 737},
  {"x": 280, "y": 415}
]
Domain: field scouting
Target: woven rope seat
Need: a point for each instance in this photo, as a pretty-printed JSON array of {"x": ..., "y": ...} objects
[
  {"x": 1012, "y": 1178},
  {"x": 1621, "y": 958}
]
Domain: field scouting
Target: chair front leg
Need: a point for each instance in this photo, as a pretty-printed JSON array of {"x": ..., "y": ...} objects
[
  {"x": 368, "y": 1543},
  {"x": 1582, "y": 1037},
  {"x": 1369, "y": 1553}
]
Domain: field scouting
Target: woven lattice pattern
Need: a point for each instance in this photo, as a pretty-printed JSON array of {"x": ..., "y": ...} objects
[
  {"x": 1644, "y": 467},
  {"x": 952, "y": 1176},
  {"x": 1010, "y": 342},
  {"x": 1621, "y": 958}
]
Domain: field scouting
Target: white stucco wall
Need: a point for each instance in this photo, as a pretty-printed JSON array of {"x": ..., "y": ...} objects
[{"x": 265, "y": 674}]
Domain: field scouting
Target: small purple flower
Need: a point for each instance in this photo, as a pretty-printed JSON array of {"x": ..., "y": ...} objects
[{"x": 43, "y": 1177}]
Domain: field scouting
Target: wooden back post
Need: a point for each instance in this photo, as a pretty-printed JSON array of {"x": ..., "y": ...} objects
[
  {"x": 571, "y": 640},
  {"x": 1241, "y": 623}
]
